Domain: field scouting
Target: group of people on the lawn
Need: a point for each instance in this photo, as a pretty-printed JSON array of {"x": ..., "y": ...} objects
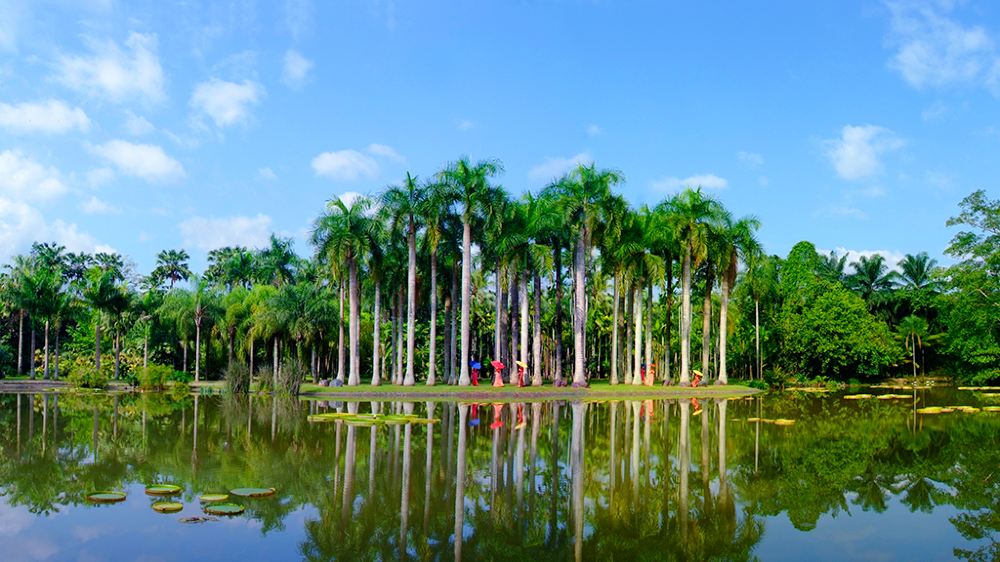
[{"x": 498, "y": 368}]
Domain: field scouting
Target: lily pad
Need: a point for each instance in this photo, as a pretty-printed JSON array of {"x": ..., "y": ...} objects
[
  {"x": 930, "y": 410},
  {"x": 783, "y": 421},
  {"x": 211, "y": 498},
  {"x": 168, "y": 507},
  {"x": 163, "y": 490},
  {"x": 106, "y": 497},
  {"x": 224, "y": 509},
  {"x": 991, "y": 408},
  {"x": 857, "y": 396},
  {"x": 253, "y": 492}
]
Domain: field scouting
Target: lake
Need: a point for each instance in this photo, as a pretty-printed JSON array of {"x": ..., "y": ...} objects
[{"x": 774, "y": 477}]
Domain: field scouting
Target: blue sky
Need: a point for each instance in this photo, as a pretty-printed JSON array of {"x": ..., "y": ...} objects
[{"x": 147, "y": 125}]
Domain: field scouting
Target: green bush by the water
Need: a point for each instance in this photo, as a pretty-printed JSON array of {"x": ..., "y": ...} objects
[{"x": 154, "y": 376}]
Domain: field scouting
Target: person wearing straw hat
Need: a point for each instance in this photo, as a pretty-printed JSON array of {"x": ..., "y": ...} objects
[{"x": 521, "y": 367}]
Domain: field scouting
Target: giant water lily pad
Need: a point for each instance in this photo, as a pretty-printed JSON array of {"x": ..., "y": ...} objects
[
  {"x": 783, "y": 421},
  {"x": 991, "y": 408},
  {"x": 167, "y": 507},
  {"x": 330, "y": 416},
  {"x": 224, "y": 509},
  {"x": 892, "y": 396},
  {"x": 163, "y": 490},
  {"x": 857, "y": 396},
  {"x": 106, "y": 497},
  {"x": 211, "y": 498},
  {"x": 253, "y": 492},
  {"x": 931, "y": 410}
]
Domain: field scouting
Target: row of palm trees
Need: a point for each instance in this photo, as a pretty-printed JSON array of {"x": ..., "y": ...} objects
[{"x": 457, "y": 220}]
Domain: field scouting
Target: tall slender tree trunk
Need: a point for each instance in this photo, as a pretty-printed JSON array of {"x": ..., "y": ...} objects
[
  {"x": 536, "y": 339},
  {"x": 669, "y": 322},
  {"x": 184, "y": 358},
  {"x": 340, "y": 336},
  {"x": 20, "y": 344},
  {"x": 118, "y": 351},
  {"x": 756, "y": 329},
  {"x": 706, "y": 325},
  {"x": 637, "y": 343},
  {"x": 723, "y": 328},
  {"x": 515, "y": 323},
  {"x": 499, "y": 298},
  {"x": 274, "y": 370},
  {"x": 524, "y": 317},
  {"x": 56, "y": 372},
  {"x": 251, "y": 357},
  {"x": 31, "y": 352},
  {"x": 377, "y": 335},
  {"x": 432, "y": 347},
  {"x": 411, "y": 304},
  {"x": 97, "y": 345},
  {"x": 400, "y": 356},
  {"x": 629, "y": 333},
  {"x": 463, "y": 379},
  {"x": 580, "y": 310},
  {"x": 453, "y": 348},
  {"x": 197, "y": 350},
  {"x": 557, "y": 370},
  {"x": 45, "y": 368},
  {"x": 649, "y": 334},
  {"x": 355, "y": 325},
  {"x": 685, "y": 379},
  {"x": 614, "y": 328}
]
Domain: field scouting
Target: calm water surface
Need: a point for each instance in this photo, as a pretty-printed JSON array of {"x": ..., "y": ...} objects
[{"x": 653, "y": 480}]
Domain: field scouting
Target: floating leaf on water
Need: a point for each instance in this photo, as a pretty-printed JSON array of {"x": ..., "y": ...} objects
[
  {"x": 968, "y": 409},
  {"x": 224, "y": 509},
  {"x": 783, "y": 421},
  {"x": 930, "y": 410},
  {"x": 197, "y": 519},
  {"x": 857, "y": 396},
  {"x": 253, "y": 492},
  {"x": 754, "y": 420},
  {"x": 163, "y": 490},
  {"x": 106, "y": 497},
  {"x": 991, "y": 408},
  {"x": 209, "y": 498},
  {"x": 167, "y": 507},
  {"x": 947, "y": 410}
]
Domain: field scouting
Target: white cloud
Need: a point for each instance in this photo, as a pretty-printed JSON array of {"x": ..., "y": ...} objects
[
  {"x": 345, "y": 165},
  {"x": 226, "y": 103},
  {"x": 296, "y": 69},
  {"x": 349, "y": 197},
  {"x": 95, "y": 206},
  {"x": 751, "y": 160},
  {"x": 146, "y": 161},
  {"x": 707, "y": 181},
  {"x": 847, "y": 212},
  {"x": 24, "y": 179},
  {"x": 267, "y": 174},
  {"x": 933, "y": 49},
  {"x": 466, "y": 125},
  {"x": 892, "y": 257},
  {"x": 115, "y": 73},
  {"x": 49, "y": 116},
  {"x": 211, "y": 233},
  {"x": 855, "y": 155},
  {"x": 22, "y": 224},
  {"x": 385, "y": 151},
  {"x": 137, "y": 125},
  {"x": 593, "y": 130},
  {"x": 553, "y": 168}
]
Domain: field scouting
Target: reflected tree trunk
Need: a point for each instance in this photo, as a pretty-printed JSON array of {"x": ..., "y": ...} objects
[
  {"x": 577, "y": 474},
  {"x": 684, "y": 454},
  {"x": 460, "y": 480}
]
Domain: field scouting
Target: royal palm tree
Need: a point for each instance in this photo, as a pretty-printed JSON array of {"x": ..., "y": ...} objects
[
  {"x": 914, "y": 330},
  {"x": 691, "y": 217},
  {"x": 344, "y": 233},
  {"x": 762, "y": 282},
  {"x": 402, "y": 205},
  {"x": 470, "y": 184},
  {"x": 104, "y": 296},
  {"x": 172, "y": 265},
  {"x": 276, "y": 263},
  {"x": 582, "y": 199},
  {"x": 738, "y": 244},
  {"x": 434, "y": 211}
]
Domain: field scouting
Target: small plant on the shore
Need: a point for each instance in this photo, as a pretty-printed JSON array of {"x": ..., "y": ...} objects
[
  {"x": 238, "y": 378},
  {"x": 154, "y": 376},
  {"x": 80, "y": 372}
]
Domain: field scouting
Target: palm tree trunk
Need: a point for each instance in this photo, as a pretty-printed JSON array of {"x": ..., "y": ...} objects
[
  {"x": 723, "y": 313},
  {"x": 453, "y": 347},
  {"x": 536, "y": 339},
  {"x": 118, "y": 351},
  {"x": 145, "y": 348},
  {"x": 669, "y": 321},
  {"x": 377, "y": 335},
  {"x": 397, "y": 377},
  {"x": 55, "y": 375},
  {"x": 20, "y": 344},
  {"x": 579, "y": 310},
  {"x": 432, "y": 351},
  {"x": 524, "y": 317},
  {"x": 637, "y": 350},
  {"x": 355, "y": 326},
  {"x": 31, "y": 352},
  {"x": 629, "y": 312},
  {"x": 197, "y": 350},
  {"x": 614, "y": 329},
  {"x": 184, "y": 348},
  {"x": 411, "y": 305},
  {"x": 499, "y": 298},
  {"x": 274, "y": 369},
  {"x": 756, "y": 329},
  {"x": 685, "y": 379},
  {"x": 557, "y": 258},
  {"x": 706, "y": 326},
  {"x": 251, "y": 357},
  {"x": 45, "y": 368},
  {"x": 340, "y": 336},
  {"x": 515, "y": 322},
  {"x": 649, "y": 334},
  {"x": 463, "y": 379}
]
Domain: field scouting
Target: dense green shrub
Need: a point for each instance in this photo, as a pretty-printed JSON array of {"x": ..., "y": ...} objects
[
  {"x": 154, "y": 376},
  {"x": 180, "y": 390},
  {"x": 80, "y": 372},
  {"x": 238, "y": 378},
  {"x": 180, "y": 376}
]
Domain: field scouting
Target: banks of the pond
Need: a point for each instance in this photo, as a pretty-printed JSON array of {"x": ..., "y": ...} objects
[{"x": 509, "y": 393}]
